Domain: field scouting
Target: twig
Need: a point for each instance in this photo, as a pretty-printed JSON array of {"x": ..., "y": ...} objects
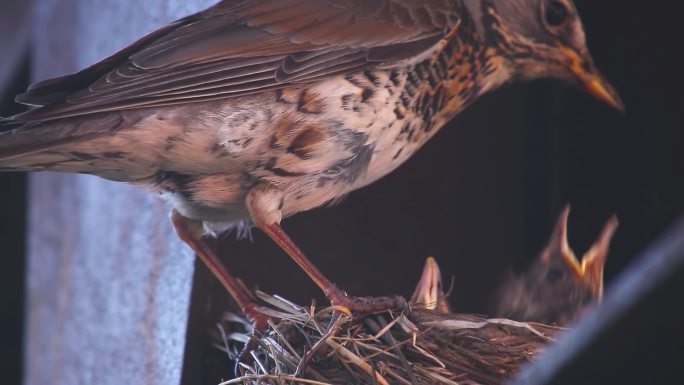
[{"x": 358, "y": 361}]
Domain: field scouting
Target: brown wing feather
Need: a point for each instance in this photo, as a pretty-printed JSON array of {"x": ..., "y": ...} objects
[{"x": 245, "y": 46}]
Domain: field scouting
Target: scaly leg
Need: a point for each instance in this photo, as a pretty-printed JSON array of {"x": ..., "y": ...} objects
[{"x": 264, "y": 204}]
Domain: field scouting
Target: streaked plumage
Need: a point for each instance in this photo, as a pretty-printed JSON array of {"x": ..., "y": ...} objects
[{"x": 254, "y": 110}]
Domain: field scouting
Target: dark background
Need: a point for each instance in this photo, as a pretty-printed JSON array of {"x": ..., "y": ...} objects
[
  {"x": 481, "y": 197},
  {"x": 13, "y": 208}
]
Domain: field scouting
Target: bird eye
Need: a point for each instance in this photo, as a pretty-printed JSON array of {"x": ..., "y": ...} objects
[
  {"x": 554, "y": 275},
  {"x": 556, "y": 13}
]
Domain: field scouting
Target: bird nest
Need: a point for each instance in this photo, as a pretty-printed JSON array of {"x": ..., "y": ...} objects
[{"x": 304, "y": 346}]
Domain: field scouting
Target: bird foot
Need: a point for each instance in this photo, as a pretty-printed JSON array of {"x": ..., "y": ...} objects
[
  {"x": 366, "y": 305},
  {"x": 259, "y": 323}
]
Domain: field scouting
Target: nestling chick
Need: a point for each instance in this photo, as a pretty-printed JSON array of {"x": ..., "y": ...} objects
[
  {"x": 429, "y": 292},
  {"x": 558, "y": 287}
]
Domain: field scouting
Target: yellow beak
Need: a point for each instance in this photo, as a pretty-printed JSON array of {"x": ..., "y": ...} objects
[
  {"x": 592, "y": 81},
  {"x": 588, "y": 269},
  {"x": 429, "y": 293}
]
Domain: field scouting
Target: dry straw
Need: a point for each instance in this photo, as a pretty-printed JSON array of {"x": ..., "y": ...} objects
[{"x": 303, "y": 346}]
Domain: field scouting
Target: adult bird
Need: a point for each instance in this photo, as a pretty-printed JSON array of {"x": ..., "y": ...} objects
[{"x": 253, "y": 110}]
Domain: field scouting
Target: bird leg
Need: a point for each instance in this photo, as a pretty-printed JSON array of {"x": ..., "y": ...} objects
[
  {"x": 190, "y": 232},
  {"x": 264, "y": 204}
]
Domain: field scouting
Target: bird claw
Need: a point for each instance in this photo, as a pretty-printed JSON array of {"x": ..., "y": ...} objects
[
  {"x": 259, "y": 324},
  {"x": 367, "y": 305}
]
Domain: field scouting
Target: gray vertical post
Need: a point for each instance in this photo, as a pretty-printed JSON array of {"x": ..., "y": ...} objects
[{"x": 109, "y": 284}]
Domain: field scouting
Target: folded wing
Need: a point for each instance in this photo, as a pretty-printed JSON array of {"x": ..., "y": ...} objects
[{"x": 245, "y": 46}]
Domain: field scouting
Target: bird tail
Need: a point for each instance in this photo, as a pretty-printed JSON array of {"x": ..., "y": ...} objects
[{"x": 52, "y": 145}]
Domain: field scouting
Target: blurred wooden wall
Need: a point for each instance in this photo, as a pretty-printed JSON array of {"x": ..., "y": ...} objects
[{"x": 108, "y": 282}]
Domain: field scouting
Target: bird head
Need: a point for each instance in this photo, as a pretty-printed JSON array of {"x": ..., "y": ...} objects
[
  {"x": 429, "y": 293},
  {"x": 587, "y": 270},
  {"x": 543, "y": 38},
  {"x": 558, "y": 286}
]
